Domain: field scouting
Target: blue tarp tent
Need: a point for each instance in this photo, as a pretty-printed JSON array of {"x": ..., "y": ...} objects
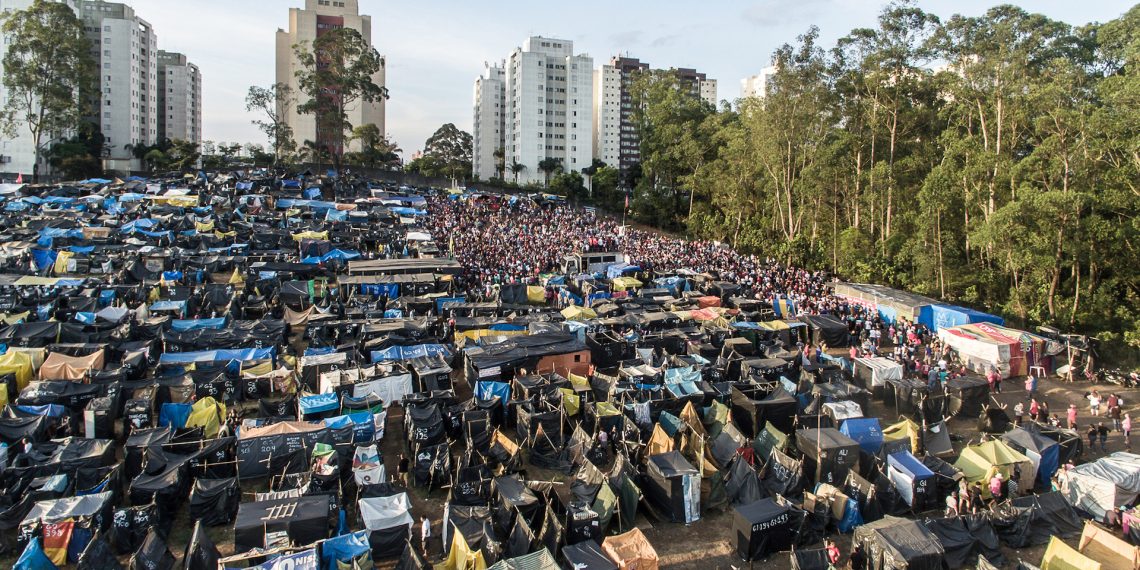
[
  {"x": 174, "y": 415},
  {"x": 914, "y": 481},
  {"x": 183, "y": 325},
  {"x": 492, "y": 390},
  {"x": 1044, "y": 452},
  {"x": 363, "y": 425},
  {"x": 33, "y": 558},
  {"x": 441, "y": 301},
  {"x": 239, "y": 354},
  {"x": 866, "y": 431},
  {"x": 344, "y": 548},
  {"x": 938, "y": 317},
  {"x": 410, "y": 352},
  {"x": 318, "y": 403}
]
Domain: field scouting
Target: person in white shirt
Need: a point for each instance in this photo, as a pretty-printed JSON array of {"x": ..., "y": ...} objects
[{"x": 425, "y": 535}]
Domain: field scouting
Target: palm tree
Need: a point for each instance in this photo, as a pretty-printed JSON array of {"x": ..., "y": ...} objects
[
  {"x": 500, "y": 162},
  {"x": 548, "y": 165},
  {"x": 516, "y": 168}
]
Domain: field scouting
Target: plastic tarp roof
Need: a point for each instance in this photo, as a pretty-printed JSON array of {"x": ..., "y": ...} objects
[
  {"x": 1113, "y": 552},
  {"x": 541, "y": 560},
  {"x": 980, "y": 462},
  {"x": 900, "y": 544},
  {"x": 903, "y": 303},
  {"x": 938, "y": 317},
  {"x": 866, "y": 431},
  {"x": 632, "y": 551},
  {"x": 60, "y": 509},
  {"x": 1060, "y": 556},
  {"x": 59, "y": 366},
  {"x": 881, "y": 369},
  {"x": 241, "y": 354},
  {"x": 1106, "y": 483},
  {"x": 381, "y": 513}
]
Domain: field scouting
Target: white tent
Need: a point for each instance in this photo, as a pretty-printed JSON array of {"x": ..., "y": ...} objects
[
  {"x": 367, "y": 468},
  {"x": 382, "y": 513},
  {"x": 418, "y": 236},
  {"x": 879, "y": 369},
  {"x": 391, "y": 389},
  {"x": 844, "y": 410},
  {"x": 1098, "y": 487}
]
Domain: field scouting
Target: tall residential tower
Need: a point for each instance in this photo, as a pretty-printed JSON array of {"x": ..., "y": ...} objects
[
  {"x": 548, "y": 93},
  {"x": 305, "y": 24},
  {"x": 179, "y": 98},
  {"x": 490, "y": 115}
]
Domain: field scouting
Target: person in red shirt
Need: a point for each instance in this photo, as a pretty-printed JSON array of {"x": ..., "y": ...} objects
[{"x": 832, "y": 552}]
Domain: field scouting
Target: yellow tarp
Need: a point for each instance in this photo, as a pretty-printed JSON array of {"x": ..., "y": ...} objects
[
  {"x": 980, "y": 462},
  {"x": 1113, "y": 552},
  {"x": 576, "y": 313},
  {"x": 1061, "y": 556},
  {"x": 176, "y": 201},
  {"x": 61, "y": 261},
  {"x": 623, "y": 283},
  {"x": 776, "y": 325},
  {"x": 535, "y": 295},
  {"x": 34, "y": 281},
  {"x": 310, "y": 235},
  {"x": 571, "y": 400},
  {"x": 461, "y": 556},
  {"x": 578, "y": 382},
  {"x": 207, "y": 413},
  {"x": 659, "y": 442},
  {"x": 236, "y": 278},
  {"x": 204, "y": 226},
  {"x": 692, "y": 419},
  {"x": 906, "y": 429},
  {"x": 20, "y": 364},
  {"x": 15, "y": 318},
  {"x": 476, "y": 334}
]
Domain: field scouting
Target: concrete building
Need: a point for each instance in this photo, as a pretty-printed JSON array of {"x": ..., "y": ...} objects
[
  {"x": 549, "y": 109},
  {"x": 125, "y": 48},
  {"x": 615, "y": 136},
  {"x": 616, "y": 140},
  {"x": 757, "y": 85},
  {"x": 179, "y": 98},
  {"x": 698, "y": 84},
  {"x": 490, "y": 125},
  {"x": 305, "y": 24}
]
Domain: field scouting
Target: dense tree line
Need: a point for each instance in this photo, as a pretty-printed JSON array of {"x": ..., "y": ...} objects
[{"x": 990, "y": 160}]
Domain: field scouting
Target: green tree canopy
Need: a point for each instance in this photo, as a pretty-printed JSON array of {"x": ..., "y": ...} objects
[{"x": 48, "y": 72}]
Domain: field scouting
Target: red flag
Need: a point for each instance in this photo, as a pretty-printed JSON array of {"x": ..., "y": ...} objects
[
  {"x": 627, "y": 200},
  {"x": 20, "y": 180}
]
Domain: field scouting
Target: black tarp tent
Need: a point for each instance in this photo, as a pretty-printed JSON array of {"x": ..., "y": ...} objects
[
  {"x": 587, "y": 555},
  {"x": 303, "y": 519},
  {"x": 828, "y": 454},
  {"x": 389, "y": 523},
  {"x": 826, "y": 329},
  {"x": 154, "y": 554},
  {"x": 214, "y": 501},
  {"x": 765, "y": 527},
  {"x": 674, "y": 486},
  {"x": 967, "y": 394},
  {"x": 964, "y": 538},
  {"x": 892, "y": 543}
]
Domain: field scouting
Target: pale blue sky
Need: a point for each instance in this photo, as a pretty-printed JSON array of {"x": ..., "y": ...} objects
[{"x": 436, "y": 48}]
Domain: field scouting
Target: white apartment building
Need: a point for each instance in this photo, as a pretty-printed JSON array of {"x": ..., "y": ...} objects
[
  {"x": 490, "y": 115},
  {"x": 125, "y": 48},
  {"x": 549, "y": 107},
  {"x": 706, "y": 88},
  {"x": 179, "y": 98},
  {"x": 757, "y": 85},
  {"x": 305, "y": 24}
]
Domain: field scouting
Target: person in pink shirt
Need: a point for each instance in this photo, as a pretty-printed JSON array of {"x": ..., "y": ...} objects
[{"x": 1072, "y": 416}]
